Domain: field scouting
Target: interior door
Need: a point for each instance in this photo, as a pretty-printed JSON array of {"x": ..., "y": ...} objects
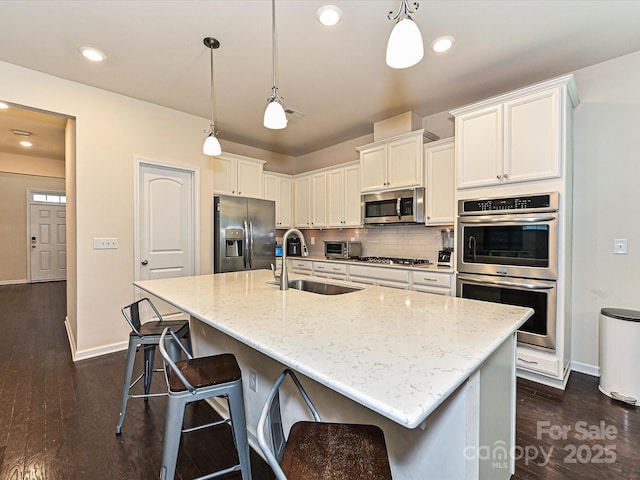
[
  {"x": 48, "y": 242},
  {"x": 166, "y": 222}
]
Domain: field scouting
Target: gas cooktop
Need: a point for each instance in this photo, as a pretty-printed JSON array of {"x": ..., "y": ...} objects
[{"x": 395, "y": 261}]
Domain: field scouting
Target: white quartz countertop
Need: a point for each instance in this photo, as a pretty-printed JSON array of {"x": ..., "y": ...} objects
[{"x": 397, "y": 352}]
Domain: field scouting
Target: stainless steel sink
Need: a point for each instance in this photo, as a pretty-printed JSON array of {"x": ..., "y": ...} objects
[{"x": 321, "y": 288}]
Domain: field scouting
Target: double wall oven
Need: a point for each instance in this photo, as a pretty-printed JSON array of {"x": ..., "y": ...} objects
[{"x": 507, "y": 252}]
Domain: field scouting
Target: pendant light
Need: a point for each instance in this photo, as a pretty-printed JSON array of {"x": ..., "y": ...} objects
[
  {"x": 211, "y": 144},
  {"x": 274, "y": 116},
  {"x": 405, "y": 47}
]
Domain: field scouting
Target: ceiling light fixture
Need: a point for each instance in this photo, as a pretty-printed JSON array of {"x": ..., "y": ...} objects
[
  {"x": 92, "y": 54},
  {"x": 274, "y": 116},
  {"x": 211, "y": 144},
  {"x": 442, "y": 44},
  {"x": 404, "y": 48},
  {"x": 329, "y": 15}
]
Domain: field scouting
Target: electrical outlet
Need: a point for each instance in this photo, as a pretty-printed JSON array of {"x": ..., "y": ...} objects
[
  {"x": 620, "y": 246},
  {"x": 313, "y": 240},
  {"x": 102, "y": 243},
  {"x": 253, "y": 381}
]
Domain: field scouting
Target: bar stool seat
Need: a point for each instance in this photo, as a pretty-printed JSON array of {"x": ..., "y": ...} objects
[
  {"x": 144, "y": 337},
  {"x": 316, "y": 450},
  {"x": 194, "y": 379}
]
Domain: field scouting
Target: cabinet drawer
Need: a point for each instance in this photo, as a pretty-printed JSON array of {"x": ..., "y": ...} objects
[
  {"x": 329, "y": 268},
  {"x": 434, "y": 290},
  {"x": 380, "y": 273},
  {"x": 299, "y": 265},
  {"x": 432, "y": 279},
  {"x": 535, "y": 363}
]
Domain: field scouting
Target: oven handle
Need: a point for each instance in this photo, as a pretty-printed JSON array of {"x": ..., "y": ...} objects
[
  {"x": 507, "y": 284},
  {"x": 506, "y": 219}
]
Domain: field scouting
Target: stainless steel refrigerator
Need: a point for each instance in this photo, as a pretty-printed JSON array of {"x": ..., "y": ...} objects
[{"x": 244, "y": 233}]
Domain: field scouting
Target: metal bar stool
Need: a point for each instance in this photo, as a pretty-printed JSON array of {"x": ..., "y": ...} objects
[
  {"x": 193, "y": 379},
  {"x": 320, "y": 450},
  {"x": 144, "y": 337}
]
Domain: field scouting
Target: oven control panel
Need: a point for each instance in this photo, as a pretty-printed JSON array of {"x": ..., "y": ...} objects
[{"x": 546, "y": 202}]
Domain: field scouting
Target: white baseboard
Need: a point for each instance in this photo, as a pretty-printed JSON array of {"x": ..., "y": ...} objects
[
  {"x": 13, "y": 282},
  {"x": 592, "y": 370},
  {"x": 78, "y": 355}
]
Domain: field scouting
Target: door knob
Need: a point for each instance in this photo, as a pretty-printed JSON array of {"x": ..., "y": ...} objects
[{"x": 145, "y": 261}]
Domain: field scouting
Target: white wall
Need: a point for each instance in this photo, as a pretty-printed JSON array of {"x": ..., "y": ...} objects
[
  {"x": 606, "y": 199},
  {"x": 110, "y": 131}
]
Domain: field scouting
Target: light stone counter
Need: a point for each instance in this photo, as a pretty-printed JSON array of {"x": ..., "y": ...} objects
[{"x": 399, "y": 353}]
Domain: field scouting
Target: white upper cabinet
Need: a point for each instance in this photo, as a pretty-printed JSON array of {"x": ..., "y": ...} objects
[
  {"x": 237, "y": 175},
  {"x": 279, "y": 188},
  {"x": 343, "y": 196},
  {"x": 302, "y": 202},
  {"x": 392, "y": 164},
  {"x": 318, "y": 201},
  {"x": 440, "y": 180},
  {"x": 516, "y": 137}
]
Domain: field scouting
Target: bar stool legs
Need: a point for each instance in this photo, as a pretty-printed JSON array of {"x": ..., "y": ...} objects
[{"x": 196, "y": 379}]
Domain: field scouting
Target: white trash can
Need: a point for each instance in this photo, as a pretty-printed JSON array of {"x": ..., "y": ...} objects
[{"x": 620, "y": 354}]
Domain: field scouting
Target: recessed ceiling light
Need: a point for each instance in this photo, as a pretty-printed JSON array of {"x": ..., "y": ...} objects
[
  {"x": 442, "y": 44},
  {"x": 92, "y": 54},
  {"x": 25, "y": 143},
  {"x": 329, "y": 15},
  {"x": 3, "y": 105}
]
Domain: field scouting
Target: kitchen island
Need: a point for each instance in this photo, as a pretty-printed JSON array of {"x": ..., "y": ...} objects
[{"x": 436, "y": 373}]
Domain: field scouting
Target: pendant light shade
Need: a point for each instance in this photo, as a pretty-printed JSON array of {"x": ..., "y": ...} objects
[
  {"x": 405, "y": 47},
  {"x": 211, "y": 143},
  {"x": 274, "y": 116},
  {"x": 212, "y": 146}
]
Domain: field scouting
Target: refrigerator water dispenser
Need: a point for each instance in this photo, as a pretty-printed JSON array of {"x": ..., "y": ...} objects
[{"x": 233, "y": 242}]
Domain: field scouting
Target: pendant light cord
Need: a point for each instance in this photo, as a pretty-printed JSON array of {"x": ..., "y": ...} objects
[
  {"x": 273, "y": 42},
  {"x": 211, "y": 71}
]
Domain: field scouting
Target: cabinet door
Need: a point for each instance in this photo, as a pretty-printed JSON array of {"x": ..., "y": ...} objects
[
  {"x": 249, "y": 178},
  {"x": 533, "y": 137},
  {"x": 302, "y": 195},
  {"x": 441, "y": 183},
  {"x": 404, "y": 162},
  {"x": 319, "y": 200},
  {"x": 479, "y": 147},
  {"x": 352, "y": 209},
  {"x": 224, "y": 176},
  {"x": 285, "y": 198},
  {"x": 373, "y": 168},
  {"x": 335, "y": 197}
]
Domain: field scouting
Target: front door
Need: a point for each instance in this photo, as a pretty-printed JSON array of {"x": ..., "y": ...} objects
[
  {"x": 47, "y": 242},
  {"x": 166, "y": 222}
]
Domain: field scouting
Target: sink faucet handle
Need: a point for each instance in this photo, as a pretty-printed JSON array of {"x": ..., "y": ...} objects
[{"x": 273, "y": 270}]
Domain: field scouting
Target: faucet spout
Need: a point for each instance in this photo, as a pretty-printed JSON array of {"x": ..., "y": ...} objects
[{"x": 284, "y": 274}]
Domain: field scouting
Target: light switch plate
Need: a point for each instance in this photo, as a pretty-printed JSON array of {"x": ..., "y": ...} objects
[
  {"x": 620, "y": 246},
  {"x": 103, "y": 243}
]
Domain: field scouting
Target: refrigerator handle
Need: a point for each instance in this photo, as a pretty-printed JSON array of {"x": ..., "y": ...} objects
[
  {"x": 250, "y": 245},
  {"x": 245, "y": 249}
]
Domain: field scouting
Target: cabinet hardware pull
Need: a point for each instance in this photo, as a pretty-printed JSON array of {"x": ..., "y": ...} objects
[{"x": 530, "y": 362}]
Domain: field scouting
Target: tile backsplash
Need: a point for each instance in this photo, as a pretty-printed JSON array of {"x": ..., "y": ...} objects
[{"x": 402, "y": 241}]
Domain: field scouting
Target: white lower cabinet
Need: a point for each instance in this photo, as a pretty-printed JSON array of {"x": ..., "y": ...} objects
[
  {"x": 330, "y": 270},
  {"x": 538, "y": 361},
  {"x": 296, "y": 265},
  {"x": 384, "y": 277},
  {"x": 429, "y": 281}
]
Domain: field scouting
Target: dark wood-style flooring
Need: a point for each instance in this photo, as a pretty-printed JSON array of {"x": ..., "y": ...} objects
[{"x": 58, "y": 418}]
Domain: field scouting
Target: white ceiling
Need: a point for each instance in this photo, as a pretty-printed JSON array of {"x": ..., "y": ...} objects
[{"x": 337, "y": 76}]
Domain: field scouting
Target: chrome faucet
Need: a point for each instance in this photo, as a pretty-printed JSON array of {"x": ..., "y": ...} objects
[{"x": 284, "y": 276}]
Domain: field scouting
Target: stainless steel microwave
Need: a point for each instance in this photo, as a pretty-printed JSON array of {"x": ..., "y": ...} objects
[
  {"x": 400, "y": 206},
  {"x": 342, "y": 249}
]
